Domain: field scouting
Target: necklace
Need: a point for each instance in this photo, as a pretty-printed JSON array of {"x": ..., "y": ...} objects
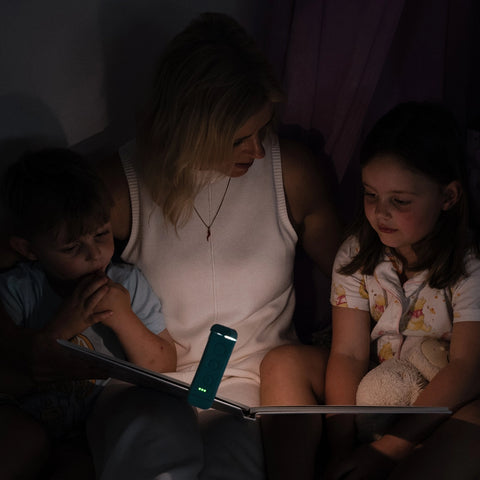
[{"x": 209, "y": 225}]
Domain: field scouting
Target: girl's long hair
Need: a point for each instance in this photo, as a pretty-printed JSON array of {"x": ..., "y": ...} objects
[
  {"x": 425, "y": 137},
  {"x": 210, "y": 80}
]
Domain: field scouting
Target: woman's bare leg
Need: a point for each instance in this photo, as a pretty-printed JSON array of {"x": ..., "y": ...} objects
[{"x": 292, "y": 375}]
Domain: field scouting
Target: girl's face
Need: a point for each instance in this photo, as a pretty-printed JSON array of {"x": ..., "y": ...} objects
[
  {"x": 401, "y": 205},
  {"x": 248, "y": 142}
]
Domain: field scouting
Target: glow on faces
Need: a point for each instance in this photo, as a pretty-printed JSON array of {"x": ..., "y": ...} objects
[
  {"x": 71, "y": 260},
  {"x": 401, "y": 205},
  {"x": 247, "y": 143}
]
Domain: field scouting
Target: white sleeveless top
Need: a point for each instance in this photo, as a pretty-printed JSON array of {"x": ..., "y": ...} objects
[{"x": 242, "y": 277}]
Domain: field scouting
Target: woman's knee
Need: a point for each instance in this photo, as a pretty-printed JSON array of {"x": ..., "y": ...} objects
[
  {"x": 293, "y": 373},
  {"x": 295, "y": 359},
  {"x": 281, "y": 358}
]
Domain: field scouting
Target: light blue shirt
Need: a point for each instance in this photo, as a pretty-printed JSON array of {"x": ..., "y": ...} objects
[{"x": 31, "y": 303}]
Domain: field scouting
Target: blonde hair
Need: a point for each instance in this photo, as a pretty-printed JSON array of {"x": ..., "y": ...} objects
[{"x": 210, "y": 80}]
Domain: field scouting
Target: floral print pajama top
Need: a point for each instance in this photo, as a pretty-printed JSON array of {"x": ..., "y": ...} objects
[{"x": 403, "y": 314}]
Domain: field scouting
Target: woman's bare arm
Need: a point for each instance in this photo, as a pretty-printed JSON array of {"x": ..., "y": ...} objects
[{"x": 310, "y": 204}]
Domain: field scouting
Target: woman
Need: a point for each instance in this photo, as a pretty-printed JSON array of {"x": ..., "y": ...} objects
[{"x": 210, "y": 206}]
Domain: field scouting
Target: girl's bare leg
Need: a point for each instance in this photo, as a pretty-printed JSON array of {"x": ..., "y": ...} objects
[{"x": 450, "y": 452}]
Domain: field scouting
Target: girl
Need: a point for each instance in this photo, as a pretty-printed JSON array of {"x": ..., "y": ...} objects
[{"x": 413, "y": 247}]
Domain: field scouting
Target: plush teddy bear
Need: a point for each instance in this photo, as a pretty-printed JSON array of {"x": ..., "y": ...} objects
[{"x": 398, "y": 382}]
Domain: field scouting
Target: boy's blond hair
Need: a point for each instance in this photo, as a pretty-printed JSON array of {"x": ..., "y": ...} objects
[{"x": 46, "y": 190}]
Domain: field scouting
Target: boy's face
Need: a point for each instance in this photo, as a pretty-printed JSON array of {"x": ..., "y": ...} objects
[{"x": 67, "y": 260}]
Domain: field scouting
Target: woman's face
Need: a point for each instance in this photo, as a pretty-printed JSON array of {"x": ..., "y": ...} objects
[{"x": 247, "y": 143}]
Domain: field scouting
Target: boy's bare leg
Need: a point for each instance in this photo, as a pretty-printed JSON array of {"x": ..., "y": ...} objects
[
  {"x": 24, "y": 445},
  {"x": 71, "y": 460},
  {"x": 292, "y": 375}
]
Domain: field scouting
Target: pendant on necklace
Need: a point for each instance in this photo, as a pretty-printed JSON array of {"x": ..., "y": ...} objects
[{"x": 209, "y": 225}]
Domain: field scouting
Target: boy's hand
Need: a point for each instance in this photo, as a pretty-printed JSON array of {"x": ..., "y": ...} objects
[
  {"x": 31, "y": 356},
  {"x": 117, "y": 301},
  {"x": 80, "y": 310}
]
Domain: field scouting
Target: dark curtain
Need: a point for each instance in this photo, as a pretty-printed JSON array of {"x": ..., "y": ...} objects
[{"x": 344, "y": 63}]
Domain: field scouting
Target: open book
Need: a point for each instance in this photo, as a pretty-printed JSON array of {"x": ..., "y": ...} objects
[{"x": 128, "y": 372}]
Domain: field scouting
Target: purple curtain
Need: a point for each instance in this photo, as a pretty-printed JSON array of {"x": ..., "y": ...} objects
[{"x": 344, "y": 63}]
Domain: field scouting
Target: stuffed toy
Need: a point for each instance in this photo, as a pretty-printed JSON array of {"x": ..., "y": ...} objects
[{"x": 398, "y": 382}]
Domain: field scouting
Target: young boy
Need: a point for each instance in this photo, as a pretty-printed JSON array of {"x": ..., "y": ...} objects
[{"x": 58, "y": 218}]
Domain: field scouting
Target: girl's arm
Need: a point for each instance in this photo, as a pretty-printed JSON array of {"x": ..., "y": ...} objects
[
  {"x": 454, "y": 386},
  {"x": 347, "y": 364}
]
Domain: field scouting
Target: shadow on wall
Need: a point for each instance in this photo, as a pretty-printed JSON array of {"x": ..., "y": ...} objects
[
  {"x": 26, "y": 123},
  {"x": 133, "y": 35}
]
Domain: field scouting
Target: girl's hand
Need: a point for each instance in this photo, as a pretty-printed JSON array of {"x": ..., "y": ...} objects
[
  {"x": 80, "y": 310},
  {"x": 334, "y": 464},
  {"x": 365, "y": 463}
]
